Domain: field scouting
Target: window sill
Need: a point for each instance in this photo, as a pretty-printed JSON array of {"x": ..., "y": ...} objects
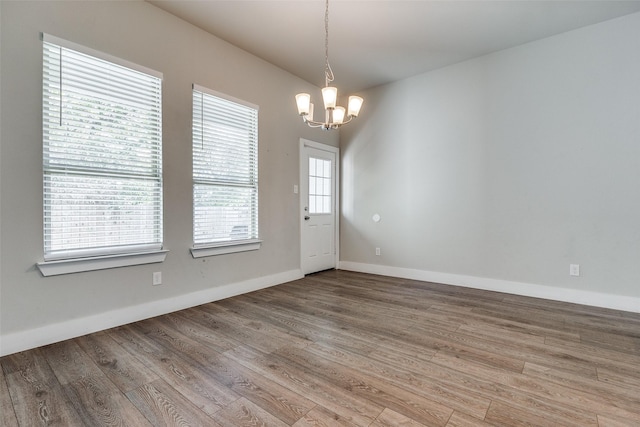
[
  {"x": 77, "y": 265},
  {"x": 225, "y": 248}
]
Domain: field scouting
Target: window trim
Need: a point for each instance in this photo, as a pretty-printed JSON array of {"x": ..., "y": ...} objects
[
  {"x": 230, "y": 98},
  {"x": 231, "y": 246},
  {"x": 103, "y": 262},
  {"x": 98, "y": 54},
  {"x": 225, "y": 248}
]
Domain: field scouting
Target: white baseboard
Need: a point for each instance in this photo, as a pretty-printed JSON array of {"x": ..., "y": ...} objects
[
  {"x": 25, "y": 340},
  {"x": 595, "y": 299}
]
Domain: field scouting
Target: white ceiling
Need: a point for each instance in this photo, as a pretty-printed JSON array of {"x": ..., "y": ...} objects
[{"x": 372, "y": 42}]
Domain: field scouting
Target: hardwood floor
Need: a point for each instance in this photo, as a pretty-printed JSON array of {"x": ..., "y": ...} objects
[{"x": 341, "y": 349}]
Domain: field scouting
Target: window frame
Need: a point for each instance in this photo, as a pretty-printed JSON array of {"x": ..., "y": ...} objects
[
  {"x": 319, "y": 179},
  {"x": 212, "y": 248},
  {"x": 66, "y": 261}
]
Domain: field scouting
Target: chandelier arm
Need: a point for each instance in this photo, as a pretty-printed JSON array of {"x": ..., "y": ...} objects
[
  {"x": 349, "y": 118},
  {"x": 323, "y": 125},
  {"x": 313, "y": 123}
]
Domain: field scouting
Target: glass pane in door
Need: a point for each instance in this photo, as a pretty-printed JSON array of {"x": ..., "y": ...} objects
[{"x": 319, "y": 186}]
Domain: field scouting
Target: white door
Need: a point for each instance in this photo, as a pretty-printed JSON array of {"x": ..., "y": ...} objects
[{"x": 318, "y": 206}]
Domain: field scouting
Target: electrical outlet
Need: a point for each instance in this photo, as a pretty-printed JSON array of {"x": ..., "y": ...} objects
[
  {"x": 377, "y": 251},
  {"x": 574, "y": 269},
  {"x": 157, "y": 278}
]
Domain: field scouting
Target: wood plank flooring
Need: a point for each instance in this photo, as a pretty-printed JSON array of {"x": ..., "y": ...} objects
[{"x": 341, "y": 349}]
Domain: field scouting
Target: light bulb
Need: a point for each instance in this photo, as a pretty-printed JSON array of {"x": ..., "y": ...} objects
[
  {"x": 329, "y": 95},
  {"x": 355, "y": 103},
  {"x": 338, "y": 115},
  {"x": 303, "y": 100}
]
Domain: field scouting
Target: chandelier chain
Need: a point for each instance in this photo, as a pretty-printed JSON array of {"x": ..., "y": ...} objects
[{"x": 328, "y": 72}]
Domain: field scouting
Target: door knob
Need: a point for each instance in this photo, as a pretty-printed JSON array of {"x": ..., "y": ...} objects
[{"x": 307, "y": 217}]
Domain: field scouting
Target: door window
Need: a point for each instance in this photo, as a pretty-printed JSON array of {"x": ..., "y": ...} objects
[{"x": 319, "y": 186}]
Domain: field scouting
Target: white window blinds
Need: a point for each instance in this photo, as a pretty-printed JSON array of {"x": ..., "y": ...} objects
[
  {"x": 225, "y": 169},
  {"x": 102, "y": 154}
]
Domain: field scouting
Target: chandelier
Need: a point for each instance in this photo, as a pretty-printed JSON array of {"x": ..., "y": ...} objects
[{"x": 334, "y": 114}]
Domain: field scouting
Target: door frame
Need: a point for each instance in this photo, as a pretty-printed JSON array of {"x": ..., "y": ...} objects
[{"x": 336, "y": 191}]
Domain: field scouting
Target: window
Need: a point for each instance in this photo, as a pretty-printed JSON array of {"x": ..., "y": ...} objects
[
  {"x": 319, "y": 186},
  {"x": 102, "y": 154},
  {"x": 225, "y": 173}
]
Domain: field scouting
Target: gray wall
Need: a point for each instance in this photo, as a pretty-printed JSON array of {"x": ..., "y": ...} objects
[
  {"x": 141, "y": 33},
  {"x": 509, "y": 167}
]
